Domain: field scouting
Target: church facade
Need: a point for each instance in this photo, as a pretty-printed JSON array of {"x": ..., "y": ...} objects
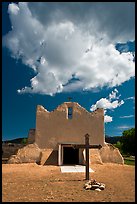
[{"x": 57, "y": 131}]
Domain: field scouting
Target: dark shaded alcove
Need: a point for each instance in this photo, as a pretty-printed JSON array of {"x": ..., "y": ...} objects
[{"x": 70, "y": 155}]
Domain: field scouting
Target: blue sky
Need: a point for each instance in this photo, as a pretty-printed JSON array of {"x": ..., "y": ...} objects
[{"x": 43, "y": 62}]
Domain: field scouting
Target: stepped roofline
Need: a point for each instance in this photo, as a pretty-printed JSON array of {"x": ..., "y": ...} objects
[{"x": 63, "y": 106}]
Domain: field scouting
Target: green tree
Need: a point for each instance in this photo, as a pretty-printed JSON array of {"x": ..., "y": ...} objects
[
  {"x": 119, "y": 145},
  {"x": 128, "y": 141},
  {"x": 24, "y": 141}
]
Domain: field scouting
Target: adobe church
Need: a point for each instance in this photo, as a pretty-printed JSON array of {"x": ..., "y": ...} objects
[{"x": 57, "y": 131}]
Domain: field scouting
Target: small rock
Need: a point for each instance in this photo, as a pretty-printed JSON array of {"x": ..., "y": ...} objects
[
  {"x": 97, "y": 189},
  {"x": 88, "y": 182},
  {"x": 93, "y": 181},
  {"x": 97, "y": 183},
  {"x": 88, "y": 187},
  {"x": 93, "y": 187},
  {"x": 102, "y": 186}
]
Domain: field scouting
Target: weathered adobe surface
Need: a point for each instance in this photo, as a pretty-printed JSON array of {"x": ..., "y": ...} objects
[
  {"x": 107, "y": 154},
  {"x": 111, "y": 154},
  {"x": 28, "y": 154},
  {"x": 65, "y": 105},
  {"x": 54, "y": 127},
  {"x": 33, "y": 154}
]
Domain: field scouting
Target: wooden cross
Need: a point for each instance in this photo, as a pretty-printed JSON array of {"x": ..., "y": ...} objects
[
  {"x": 69, "y": 98},
  {"x": 87, "y": 146}
]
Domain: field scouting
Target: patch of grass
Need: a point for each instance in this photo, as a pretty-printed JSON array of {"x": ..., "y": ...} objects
[{"x": 129, "y": 161}]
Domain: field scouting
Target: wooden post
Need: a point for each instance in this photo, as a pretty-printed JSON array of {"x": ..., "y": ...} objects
[
  {"x": 87, "y": 146},
  {"x": 59, "y": 155},
  {"x": 87, "y": 155}
]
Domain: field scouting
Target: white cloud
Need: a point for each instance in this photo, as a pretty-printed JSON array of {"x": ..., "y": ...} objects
[
  {"x": 127, "y": 116},
  {"x": 55, "y": 47},
  {"x": 124, "y": 127},
  {"x": 130, "y": 98},
  {"x": 113, "y": 94},
  {"x": 108, "y": 104},
  {"x": 107, "y": 119},
  {"x": 112, "y": 20},
  {"x": 13, "y": 9}
]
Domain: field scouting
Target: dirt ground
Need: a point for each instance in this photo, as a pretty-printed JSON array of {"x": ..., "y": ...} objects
[{"x": 36, "y": 183}]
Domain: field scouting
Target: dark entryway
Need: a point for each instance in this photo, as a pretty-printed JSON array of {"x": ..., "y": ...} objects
[{"x": 70, "y": 155}]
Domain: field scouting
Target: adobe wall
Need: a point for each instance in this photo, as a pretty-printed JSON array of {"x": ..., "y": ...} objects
[
  {"x": 54, "y": 127},
  {"x": 31, "y": 136},
  {"x": 110, "y": 154}
]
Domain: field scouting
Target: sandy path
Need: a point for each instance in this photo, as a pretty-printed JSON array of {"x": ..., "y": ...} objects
[{"x": 32, "y": 182}]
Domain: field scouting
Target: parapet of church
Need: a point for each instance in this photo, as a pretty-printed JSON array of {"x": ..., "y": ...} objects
[{"x": 55, "y": 127}]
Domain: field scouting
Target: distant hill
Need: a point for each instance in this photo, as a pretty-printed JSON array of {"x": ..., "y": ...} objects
[
  {"x": 108, "y": 139},
  {"x": 16, "y": 141},
  {"x": 112, "y": 140}
]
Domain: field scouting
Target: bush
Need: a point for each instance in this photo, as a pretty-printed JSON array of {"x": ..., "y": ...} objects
[
  {"x": 24, "y": 141},
  {"x": 128, "y": 141},
  {"x": 119, "y": 145}
]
